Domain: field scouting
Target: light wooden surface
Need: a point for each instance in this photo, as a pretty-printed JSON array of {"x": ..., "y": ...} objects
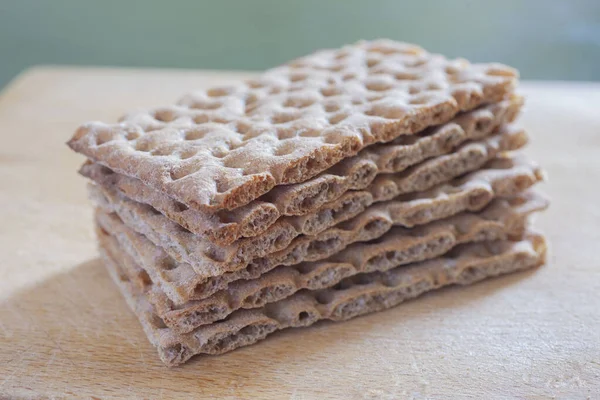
[{"x": 65, "y": 331}]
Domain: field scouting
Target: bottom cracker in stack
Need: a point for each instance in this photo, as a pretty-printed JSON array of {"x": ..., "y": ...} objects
[
  {"x": 354, "y": 296},
  {"x": 363, "y": 278}
]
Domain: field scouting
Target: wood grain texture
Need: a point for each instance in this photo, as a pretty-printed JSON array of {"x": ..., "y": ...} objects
[{"x": 66, "y": 332}]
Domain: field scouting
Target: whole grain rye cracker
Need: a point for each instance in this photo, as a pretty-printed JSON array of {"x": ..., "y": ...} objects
[
  {"x": 280, "y": 235},
  {"x": 467, "y": 158},
  {"x": 182, "y": 283},
  {"x": 425, "y": 177},
  {"x": 224, "y": 147},
  {"x": 209, "y": 260},
  {"x": 354, "y": 296},
  {"x": 504, "y": 218},
  {"x": 355, "y": 173},
  {"x": 358, "y": 172},
  {"x": 183, "y": 245}
]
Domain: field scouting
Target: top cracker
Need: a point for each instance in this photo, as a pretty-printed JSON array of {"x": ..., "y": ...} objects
[{"x": 224, "y": 147}]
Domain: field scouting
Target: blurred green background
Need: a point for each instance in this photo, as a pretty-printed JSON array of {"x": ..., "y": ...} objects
[{"x": 545, "y": 39}]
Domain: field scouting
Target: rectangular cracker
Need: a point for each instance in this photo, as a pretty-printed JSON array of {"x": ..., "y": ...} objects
[
  {"x": 503, "y": 218},
  {"x": 354, "y": 296},
  {"x": 210, "y": 260},
  {"x": 222, "y": 148},
  {"x": 355, "y": 173},
  {"x": 470, "y": 193},
  {"x": 281, "y": 234}
]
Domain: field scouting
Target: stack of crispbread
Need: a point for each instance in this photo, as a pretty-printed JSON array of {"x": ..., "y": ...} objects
[{"x": 342, "y": 183}]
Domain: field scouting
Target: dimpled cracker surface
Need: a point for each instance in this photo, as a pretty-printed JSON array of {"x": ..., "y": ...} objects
[
  {"x": 209, "y": 260},
  {"x": 224, "y": 147},
  {"x": 280, "y": 235},
  {"x": 352, "y": 297},
  {"x": 355, "y": 173},
  {"x": 283, "y": 231},
  {"x": 182, "y": 283},
  {"x": 503, "y": 218}
]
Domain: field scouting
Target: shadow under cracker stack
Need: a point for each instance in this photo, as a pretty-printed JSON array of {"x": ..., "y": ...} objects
[{"x": 342, "y": 183}]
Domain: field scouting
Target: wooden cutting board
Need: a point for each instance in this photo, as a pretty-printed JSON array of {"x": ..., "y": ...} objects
[{"x": 66, "y": 332}]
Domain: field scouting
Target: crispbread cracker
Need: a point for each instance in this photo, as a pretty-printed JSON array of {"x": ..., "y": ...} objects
[
  {"x": 209, "y": 260},
  {"x": 502, "y": 219},
  {"x": 358, "y": 295},
  {"x": 420, "y": 178},
  {"x": 470, "y": 193},
  {"x": 355, "y": 173},
  {"x": 280, "y": 235},
  {"x": 224, "y": 147}
]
